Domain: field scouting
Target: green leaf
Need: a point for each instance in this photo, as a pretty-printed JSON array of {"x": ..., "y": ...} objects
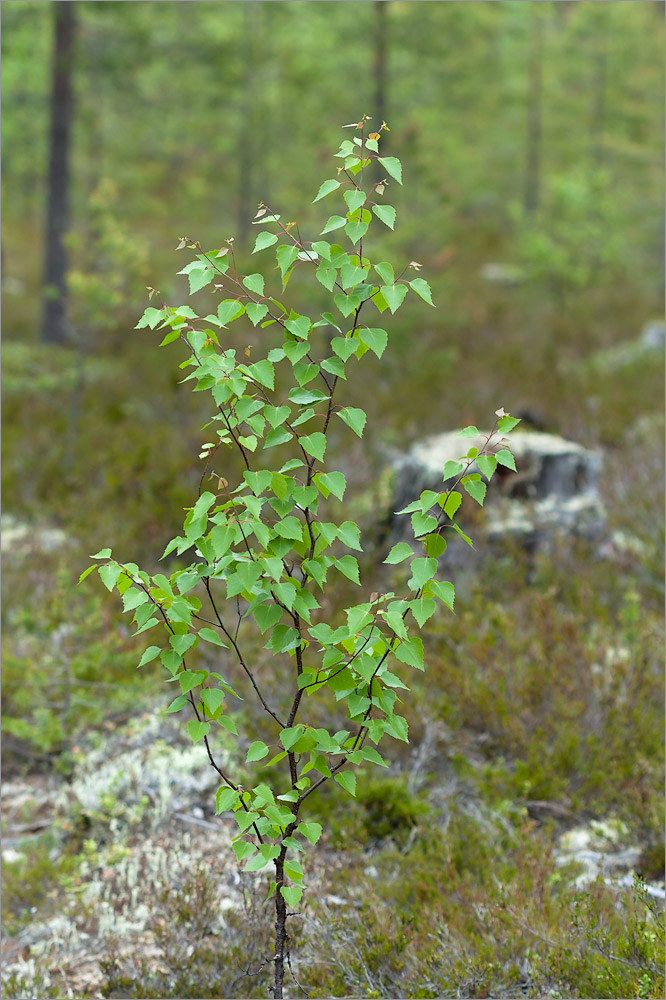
[
  {"x": 267, "y": 615},
  {"x": 422, "y": 571},
  {"x": 181, "y": 643},
  {"x": 392, "y": 166},
  {"x": 422, "y": 288},
  {"x": 399, "y": 553},
  {"x": 411, "y": 652},
  {"x": 452, "y": 470},
  {"x": 423, "y": 608},
  {"x": 242, "y": 849},
  {"x": 476, "y": 489},
  {"x": 256, "y": 310},
  {"x": 299, "y": 327},
  {"x": 225, "y": 799},
  {"x": 276, "y": 415},
  {"x": 423, "y": 523},
  {"x": 453, "y": 501},
  {"x": 487, "y": 465},
  {"x": 356, "y": 230},
  {"x": 326, "y": 276},
  {"x": 349, "y": 534},
  {"x": 286, "y": 255},
  {"x": 228, "y": 310},
  {"x": 331, "y": 482},
  {"x": 327, "y": 188},
  {"x": 469, "y": 432},
  {"x": 385, "y": 272},
  {"x": 263, "y": 373},
  {"x": 348, "y": 566},
  {"x": 386, "y": 213},
  {"x": 149, "y": 654},
  {"x": 444, "y": 591},
  {"x": 504, "y": 457},
  {"x": 87, "y": 572},
  {"x": 190, "y": 679},
  {"x": 198, "y": 730},
  {"x": 257, "y": 751},
  {"x": 264, "y": 240},
  {"x": 315, "y": 444},
  {"x": 375, "y": 339},
  {"x": 178, "y": 703},
  {"x": 323, "y": 249},
  {"x": 354, "y": 418},
  {"x": 109, "y": 574},
  {"x": 311, "y": 831},
  {"x": 198, "y": 279},
  {"x": 212, "y": 699},
  {"x": 344, "y": 347},
  {"x": 346, "y": 780},
  {"x": 291, "y": 894},
  {"x": 507, "y": 423},
  {"x": 255, "y": 282},
  {"x": 354, "y": 199},
  {"x": 394, "y": 295},
  {"x": 335, "y": 222}
]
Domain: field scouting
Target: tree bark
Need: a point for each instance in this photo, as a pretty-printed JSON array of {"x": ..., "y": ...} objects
[
  {"x": 280, "y": 925},
  {"x": 54, "y": 324}
]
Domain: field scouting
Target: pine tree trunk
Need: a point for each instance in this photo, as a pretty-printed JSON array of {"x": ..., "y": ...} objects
[{"x": 54, "y": 325}]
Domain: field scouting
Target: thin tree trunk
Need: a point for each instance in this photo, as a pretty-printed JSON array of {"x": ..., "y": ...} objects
[
  {"x": 534, "y": 96},
  {"x": 54, "y": 325},
  {"x": 280, "y": 925}
]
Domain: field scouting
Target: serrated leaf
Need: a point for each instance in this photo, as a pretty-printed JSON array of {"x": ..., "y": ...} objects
[
  {"x": 452, "y": 502},
  {"x": 386, "y": 213},
  {"x": 504, "y": 457},
  {"x": 469, "y": 432},
  {"x": 423, "y": 608},
  {"x": 263, "y": 241},
  {"x": 149, "y": 654},
  {"x": 354, "y": 418},
  {"x": 452, "y": 470},
  {"x": 444, "y": 590},
  {"x": 385, "y": 272},
  {"x": 346, "y": 780},
  {"x": 349, "y": 534},
  {"x": 335, "y": 222},
  {"x": 422, "y": 288},
  {"x": 326, "y": 276},
  {"x": 327, "y": 188},
  {"x": 314, "y": 444},
  {"x": 392, "y": 166},
  {"x": 354, "y": 199},
  {"x": 375, "y": 339},
  {"x": 178, "y": 703},
  {"x": 286, "y": 255},
  {"x": 255, "y": 282},
  {"x": 291, "y": 894},
  {"x": 257, "y": 751},
  {"x": 476, "y": 490},
  {"x": 225, "y": 799},
  {"x": 411, "y": 652},
  {"x": 242, "y": 849},
  {"x": 344, "y": 347},
  {"x": 356, "y": 230},
  {"x": 394, "y": 295},
  {"x": 331, "y": 482},
  {"x": 507, "y": 423},
  {"x": 487, "y": 465},
  {"x": 228, "y": 310},
  {"x": 348, "y": 566},
  {"x": 299, "y": 327},
  {"x": 197, "y": 730},
  {"x": 109, "y": 574},
  {"x": 311, "y": 831},
  {"x": 263, "y": 373},
  {"x": 399, "y": 553},
  {"x": 212, "y": 699},
  {"x": 422, "y": 571}
]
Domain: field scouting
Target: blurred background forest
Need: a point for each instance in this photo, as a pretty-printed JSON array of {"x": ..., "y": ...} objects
[{"x": 531, "y": 136}]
